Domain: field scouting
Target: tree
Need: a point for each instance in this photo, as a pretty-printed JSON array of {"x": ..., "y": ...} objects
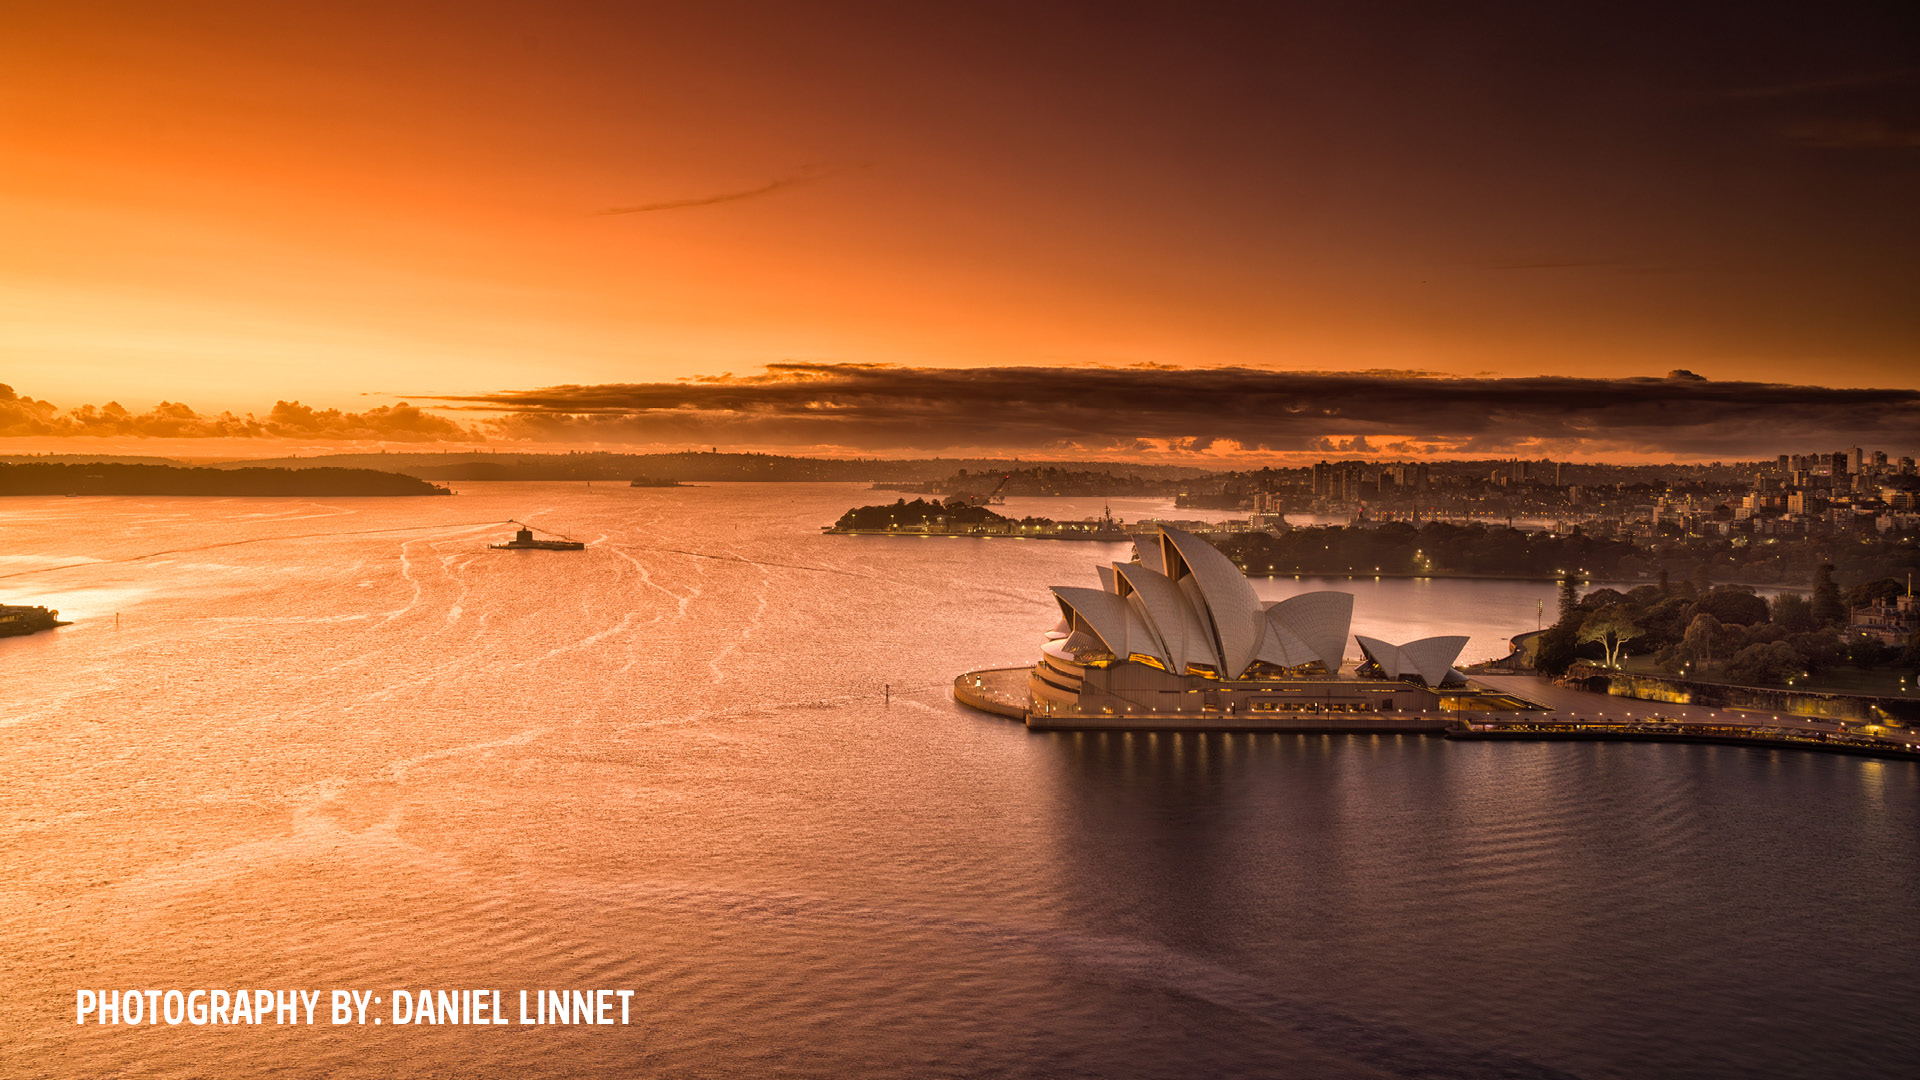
[
  {"x": 1818, "y": 649},
  {"x": 1732, "y": 605},
  {"x": 1601, "y": 598},
  {"x": 1612, "y": 626},
  {"x": 1667, "y": 619},
  {"x": 1703, "y": 633},
  {"x": 1870, "y": 653},
  {"x": 1556, "y": 650},
  {"x": 1769, "y": 663},
  {"x": 1792, "y": 612},
  {"x": 1642, "y": 595},
  {"x": 1874, "y": 593},
  {"x": 1569, "y": 597},
  {"x": 1827, "y": 607}
]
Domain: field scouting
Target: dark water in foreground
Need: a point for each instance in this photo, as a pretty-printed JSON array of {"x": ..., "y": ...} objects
[{"x": 343, "y": 745}]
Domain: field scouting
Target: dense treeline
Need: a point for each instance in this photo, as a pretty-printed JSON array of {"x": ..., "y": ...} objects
[
  {"x": 107, "y": 479},
  {"x": 1791, "y": 562},
  {"x": 1433, "y": 548},
  {"x": 1726, "y": 633}
]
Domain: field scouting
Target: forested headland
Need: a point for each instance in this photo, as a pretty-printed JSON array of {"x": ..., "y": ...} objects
[{"x": 41, "y": 478}]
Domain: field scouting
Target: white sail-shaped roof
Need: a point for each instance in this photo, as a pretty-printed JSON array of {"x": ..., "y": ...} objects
[
  {"x": 1283, "y": 648},
  {"x": 1237, "y": 619},
  {"x": 1193, "y": 606},
  {"x": 1166, "y": 612},
  {"x": 1320, "y": 621},
  {"x": 1142, "y": 639},
  {"x": 1103, "y": 613},
  {"x": 1148, "y": 548},
  {"x": 1186, "y": 607},
  {"x": 1430, "y": 658}
]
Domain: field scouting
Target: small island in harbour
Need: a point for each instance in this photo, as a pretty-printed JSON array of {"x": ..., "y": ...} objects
[{"x": 960, "y": 518}]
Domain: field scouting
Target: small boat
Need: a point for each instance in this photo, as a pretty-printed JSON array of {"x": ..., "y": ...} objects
[{"x": 524, "y": 541}]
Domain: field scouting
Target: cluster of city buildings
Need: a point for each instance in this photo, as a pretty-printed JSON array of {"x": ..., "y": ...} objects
[{"x": 1846, "y": 491}]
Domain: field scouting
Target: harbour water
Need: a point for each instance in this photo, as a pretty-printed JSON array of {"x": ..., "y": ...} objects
[{"x": 712, "y": 759}]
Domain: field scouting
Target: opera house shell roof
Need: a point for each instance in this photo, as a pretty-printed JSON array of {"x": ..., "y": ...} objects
[{"x": 1187, "y": 609}]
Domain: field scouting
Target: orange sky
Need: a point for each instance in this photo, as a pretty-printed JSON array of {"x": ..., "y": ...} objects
[{"x": 229, "y": 204}]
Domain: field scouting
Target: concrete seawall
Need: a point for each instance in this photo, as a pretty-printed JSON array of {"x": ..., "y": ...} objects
[
  {"x": 1003, "y": 692},
  {"x": 1000, "y": 691},
  {"x": 1303, "y": 724}
]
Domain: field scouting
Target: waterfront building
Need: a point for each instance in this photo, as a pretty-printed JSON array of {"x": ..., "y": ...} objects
[
  {"x": 1891, "y": 623},
  {"x": 1178, "y": 639}
]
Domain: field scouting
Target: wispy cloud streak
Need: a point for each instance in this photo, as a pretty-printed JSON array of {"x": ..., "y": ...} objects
[{"x": 805, "y": 176}]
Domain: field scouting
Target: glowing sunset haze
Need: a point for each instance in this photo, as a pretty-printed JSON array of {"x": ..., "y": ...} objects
[{"x": 511, "y": 208}]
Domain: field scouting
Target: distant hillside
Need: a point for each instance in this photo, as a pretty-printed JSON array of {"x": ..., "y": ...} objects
[
  {"x": 689, "y": 466},
  {"x": 41, "y": 478},
  {"x": 82, "y": 459}
]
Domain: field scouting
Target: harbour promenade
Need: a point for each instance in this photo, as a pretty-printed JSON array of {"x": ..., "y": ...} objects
[
  {"x": 1004, "y": 692},
  {"x": 1564, "y": 715},
  {"x": 1580, "y": 715}
]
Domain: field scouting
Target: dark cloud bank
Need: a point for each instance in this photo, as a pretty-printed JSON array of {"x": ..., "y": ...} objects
[
  {"x": 884, "y": 409},
  {"x": 22, "y": 416}
]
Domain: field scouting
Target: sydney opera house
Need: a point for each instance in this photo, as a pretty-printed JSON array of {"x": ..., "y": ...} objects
[{"x": 1178, "y": 640}]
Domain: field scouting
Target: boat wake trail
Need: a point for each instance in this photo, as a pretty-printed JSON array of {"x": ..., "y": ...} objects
[{"x": 239, "y": 543}]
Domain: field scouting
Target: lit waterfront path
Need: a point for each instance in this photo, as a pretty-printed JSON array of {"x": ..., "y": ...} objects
[
  {"x": 1003, "y": 691},
  {"x": 1580, "y": 706},
  {"x": 1603, "y": 715}
]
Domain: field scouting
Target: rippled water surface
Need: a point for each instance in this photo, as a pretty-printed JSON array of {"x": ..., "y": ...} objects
[{"x": 342, "y": 744}]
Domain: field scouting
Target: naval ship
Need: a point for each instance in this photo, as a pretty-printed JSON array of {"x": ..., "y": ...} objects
[{"x": 524, "y": 541}]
